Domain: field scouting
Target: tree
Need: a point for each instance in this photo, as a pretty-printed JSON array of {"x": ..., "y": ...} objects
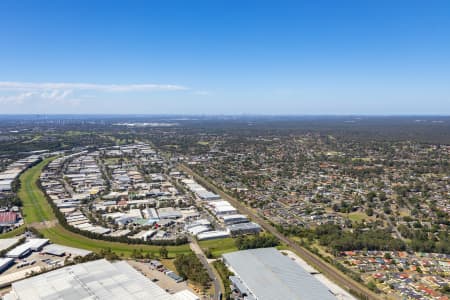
[{"x": 163, "y": 252}]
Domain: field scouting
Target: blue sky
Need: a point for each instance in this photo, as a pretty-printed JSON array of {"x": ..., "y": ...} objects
[{"x": 225, "y": 57}]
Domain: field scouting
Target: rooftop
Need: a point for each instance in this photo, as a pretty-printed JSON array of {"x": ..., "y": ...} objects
[
  {"x": 98, "y": 279},
  {"x": 269, "y": 275}
]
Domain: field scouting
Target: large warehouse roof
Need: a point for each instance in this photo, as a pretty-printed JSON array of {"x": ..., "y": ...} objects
[
  {"x": 98, "y": 279},
  {"x": 269, "y": 275}
]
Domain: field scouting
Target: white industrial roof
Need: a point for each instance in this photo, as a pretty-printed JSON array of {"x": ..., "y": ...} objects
[
  {"x": 36, "y": 244},
  {"x": 269, "y": 275},
  {"x": 215, "y": 234},
  {"x": 18, "y": 251},
  {"x": 6, "y": 243},
  {"x": 198, "y": 229},
  {"x": 98, "y": 279},
  {"x": 233, "y": 217},
  {"x": 219, "y": 203},
  {"x": 185, "y": 295},
  {"x": 55, "y": 248}
]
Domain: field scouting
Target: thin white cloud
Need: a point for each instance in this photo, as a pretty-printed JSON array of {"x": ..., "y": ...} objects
[
  {"x": 16, "y": 99},
  {"x": 53, "y": 96},
  {"x": 202, "y": 93},
  {"x": 14, "y": 85},
  {"x": 69, "y": 92}
]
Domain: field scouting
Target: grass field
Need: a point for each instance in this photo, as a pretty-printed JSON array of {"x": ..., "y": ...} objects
[
  {"x": 60, "y": 235},
  {"x": 358, "y": 216},
  {"x": 35, "y": 205},
  {"x": 219, "y": 246},
  {"x": 13, "y": 233}
]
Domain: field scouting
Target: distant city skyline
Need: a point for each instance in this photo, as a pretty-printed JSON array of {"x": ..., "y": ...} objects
[{"x": 225, "y": 57}]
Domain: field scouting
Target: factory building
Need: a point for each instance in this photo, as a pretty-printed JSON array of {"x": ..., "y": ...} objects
[
  {"x": 266, "y": 274},
  {"x": 5, "y": 263},
  {"x": 215, "y": 234},
  {"x": 222, "y": 207},
  {"x": 26, "y": 248},
  {"x": 244, "y": 228},
  {"x": 169, "y": 213},
  {"x": 234, "y": 219},
  {"x": 98, "y": 279}
]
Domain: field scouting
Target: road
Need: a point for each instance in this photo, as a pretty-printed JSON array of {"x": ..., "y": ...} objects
[
  {"x": 394, "y": 228},
  {"x": 216, "y": 281},
  {"x": 329, "y": 271}
]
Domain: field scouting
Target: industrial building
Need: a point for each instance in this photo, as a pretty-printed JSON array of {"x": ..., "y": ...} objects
[
  {"x": 26, "y": 248},
  {"x": 222, "y": 207},
  {"x": 169, "y": 213},
  {"x": 5, "y": 263},
  {"x": 7, "y": 243},
  {"x": 5, "y": 185},
  {"x": 234, "y": 219},
  {"x": 266, "y": 274},
  {"x": 61, "y": 250},
  {"x": 215, "y": 234},
  {"x": 199, "y": 190},
  {"x": 244, "y": 228},
  {"x": 13, "y": 171},
  {"x": 8, "y": 218},
  {"x": 98, "y": 279}
]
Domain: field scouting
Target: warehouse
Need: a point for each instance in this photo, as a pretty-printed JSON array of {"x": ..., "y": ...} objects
[
  {"x": 5, "y": 264},
  {"x": 210, "y": 235},
  {"x": 169, "y": 213},
  {"x": 234, "y": 219},
  {"x": 36, "y": 244},
  {"x": 266, "y": 274},
  {"x": 6, "y": 185},
  {"x": 60, "y": 250},
  {"x": 8, "y": 218},
  {"x": 27, "y": 248},
  {"x": 207, "y": 195},
  {"x": 19, "y": 251},
  {"x": 224, "y": 210},
  {"x": 144, "y": 235},
  {"x": 7, "y": 243},
  {"x": 98, "y": 279},
  {"x": 198, "y": 229},
  {"x": 222, "y": 207},
  {"x": 150, "y": 213},
  {"x": 244, "y": 228}
]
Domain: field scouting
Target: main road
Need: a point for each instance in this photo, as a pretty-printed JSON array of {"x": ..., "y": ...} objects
[{"x": 329, "y": 271}]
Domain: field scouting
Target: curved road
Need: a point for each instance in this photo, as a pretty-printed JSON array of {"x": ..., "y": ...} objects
[{"x": 328, "y": 270}]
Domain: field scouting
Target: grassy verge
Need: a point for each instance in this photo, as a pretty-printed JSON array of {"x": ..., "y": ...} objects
[
  {"x": 219, "y": 246},
  {"x": 13, "y": 233},
  {"x": 60, "y": 235},
  {"x": 224, "y": 274},
  {"x": 35, "y": 205}
]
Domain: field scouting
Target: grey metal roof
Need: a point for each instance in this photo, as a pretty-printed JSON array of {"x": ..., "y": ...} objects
[
  {"x": 92, "y": 280},
  {"x": 269, "y": 275},
  {"x": 243, "y": 226}
]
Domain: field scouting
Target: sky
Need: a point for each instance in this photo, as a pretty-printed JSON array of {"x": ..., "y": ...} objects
[{"x": 225, "y": 57}]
